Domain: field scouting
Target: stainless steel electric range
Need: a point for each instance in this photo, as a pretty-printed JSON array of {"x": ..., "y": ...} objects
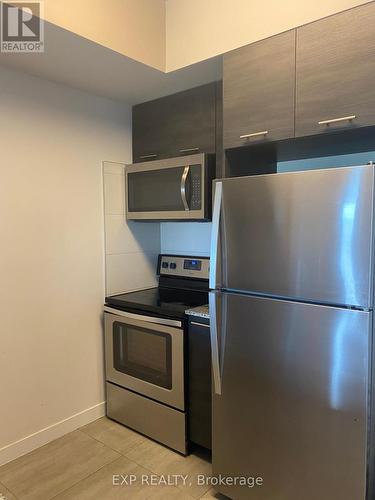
[{"x": 145, "y": 350}]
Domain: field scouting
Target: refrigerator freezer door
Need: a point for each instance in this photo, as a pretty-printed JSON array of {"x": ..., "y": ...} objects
[
  {"x": 293, "y": 401},
  {"x": 304, "y": 235}
]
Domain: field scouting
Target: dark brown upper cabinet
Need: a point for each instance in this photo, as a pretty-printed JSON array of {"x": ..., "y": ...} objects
[
  {"x": 259, "y": 84},
  {"x": 335, "y": 72},
  {"x": 182, "y": 123}
]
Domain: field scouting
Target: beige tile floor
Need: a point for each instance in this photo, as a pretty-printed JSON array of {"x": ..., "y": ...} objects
[{"x": 82, "y": 465}]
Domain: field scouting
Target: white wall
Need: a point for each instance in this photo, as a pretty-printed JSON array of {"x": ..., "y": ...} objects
[
  {"x": 186, "y": 238},
  {"x": 197, "y": 30},
  {"x": 134, "y": 28},
  {"x": 132, "y": 247},
  {"x": 171, "y": 34},
  {"x": 53, "y": 141}
]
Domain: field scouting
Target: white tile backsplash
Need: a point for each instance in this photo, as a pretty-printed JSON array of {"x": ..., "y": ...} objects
[
  {"x": 131, "y": 247},
  {"x": 144, "y": 235},
  {"x": 186, "y": 238},
  {"x": 114, "y": 194},
  {"x": 130, "y": 271},
  {"x": 130, "y": 237}
]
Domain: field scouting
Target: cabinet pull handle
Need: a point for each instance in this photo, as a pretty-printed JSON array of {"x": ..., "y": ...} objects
[
  {"x": 337, "y": 120},
  {"x": 254, "y": 134},
  {"x": 153, "y": 155},
  {"x": 188, "y": 150},
  {"x": 199, "y": 324}
]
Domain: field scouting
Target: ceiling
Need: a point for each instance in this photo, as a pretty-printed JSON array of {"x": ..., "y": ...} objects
[{"x": 80, "y": 63}]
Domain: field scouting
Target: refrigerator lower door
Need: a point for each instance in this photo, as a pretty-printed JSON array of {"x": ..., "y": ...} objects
[{"x": 293, "y": 402}]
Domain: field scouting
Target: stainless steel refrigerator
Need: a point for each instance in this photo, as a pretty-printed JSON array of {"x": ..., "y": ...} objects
[{"x": 291, "y": 306}]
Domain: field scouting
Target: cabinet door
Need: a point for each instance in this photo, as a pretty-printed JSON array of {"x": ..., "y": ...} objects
[
  {"x": 148, "y": 130},
  {"x": 182, "y": 123},
  {"x": 335, "y": 70},
  {"x": 259, "y": 82}
]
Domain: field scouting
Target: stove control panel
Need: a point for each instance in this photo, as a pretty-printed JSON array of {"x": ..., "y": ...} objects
[{"x": 184, "y": 266}]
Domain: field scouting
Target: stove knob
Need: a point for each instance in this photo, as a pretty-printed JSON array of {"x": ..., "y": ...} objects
[
  {"x": 173, "y": 265},
  {"x": 165, "y": 265}
]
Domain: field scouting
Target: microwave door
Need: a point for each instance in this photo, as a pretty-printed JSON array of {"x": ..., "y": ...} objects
[
  {"x": 158, "y": 191},
  {"x": 154, "y": 191}
]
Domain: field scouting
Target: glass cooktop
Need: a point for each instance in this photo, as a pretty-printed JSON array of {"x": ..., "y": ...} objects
[{"x": 160, "y": 301}]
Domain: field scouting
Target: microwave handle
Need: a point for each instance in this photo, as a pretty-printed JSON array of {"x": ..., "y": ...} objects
[{"x": 185, "y": 173}]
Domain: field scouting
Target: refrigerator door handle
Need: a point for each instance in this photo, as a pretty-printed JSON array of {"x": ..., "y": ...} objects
[
  {"x": 214, "y": 344},
  {"x": 215, "y": 234}
]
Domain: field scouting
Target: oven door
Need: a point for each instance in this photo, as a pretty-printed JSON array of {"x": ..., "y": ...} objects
[
  {"x": 167, "y": 189},
  {"x": 145, "y": 357}
]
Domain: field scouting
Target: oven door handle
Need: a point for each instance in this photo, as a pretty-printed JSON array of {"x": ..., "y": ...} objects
[
  {"x": 146, "y": 319},
  {"x": 183, "y": 187}
]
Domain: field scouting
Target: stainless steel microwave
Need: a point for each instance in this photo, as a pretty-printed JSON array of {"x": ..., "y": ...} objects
[{"x": 170, "y": 189}]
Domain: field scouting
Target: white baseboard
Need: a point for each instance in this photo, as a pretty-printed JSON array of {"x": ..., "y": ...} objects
[{"x": 44, "y": 436}]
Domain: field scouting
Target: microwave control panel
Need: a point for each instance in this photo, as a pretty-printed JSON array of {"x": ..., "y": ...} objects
[
  {"x": 184, "y": 267},
  {"x": 196, "y": 187}
]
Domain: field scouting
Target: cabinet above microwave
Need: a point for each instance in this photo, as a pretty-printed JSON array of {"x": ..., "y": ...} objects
[
  {"x": 176, "y": 125},
  {"x": 171, "y": 189}
]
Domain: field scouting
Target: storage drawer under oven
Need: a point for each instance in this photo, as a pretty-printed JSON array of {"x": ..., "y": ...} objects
[{"x": 145, "y": 357}]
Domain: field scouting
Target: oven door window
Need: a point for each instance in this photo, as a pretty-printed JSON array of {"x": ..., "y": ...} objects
[
  {"x": 143, "y": 354},
  {"x": 158, "y": 190}
]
